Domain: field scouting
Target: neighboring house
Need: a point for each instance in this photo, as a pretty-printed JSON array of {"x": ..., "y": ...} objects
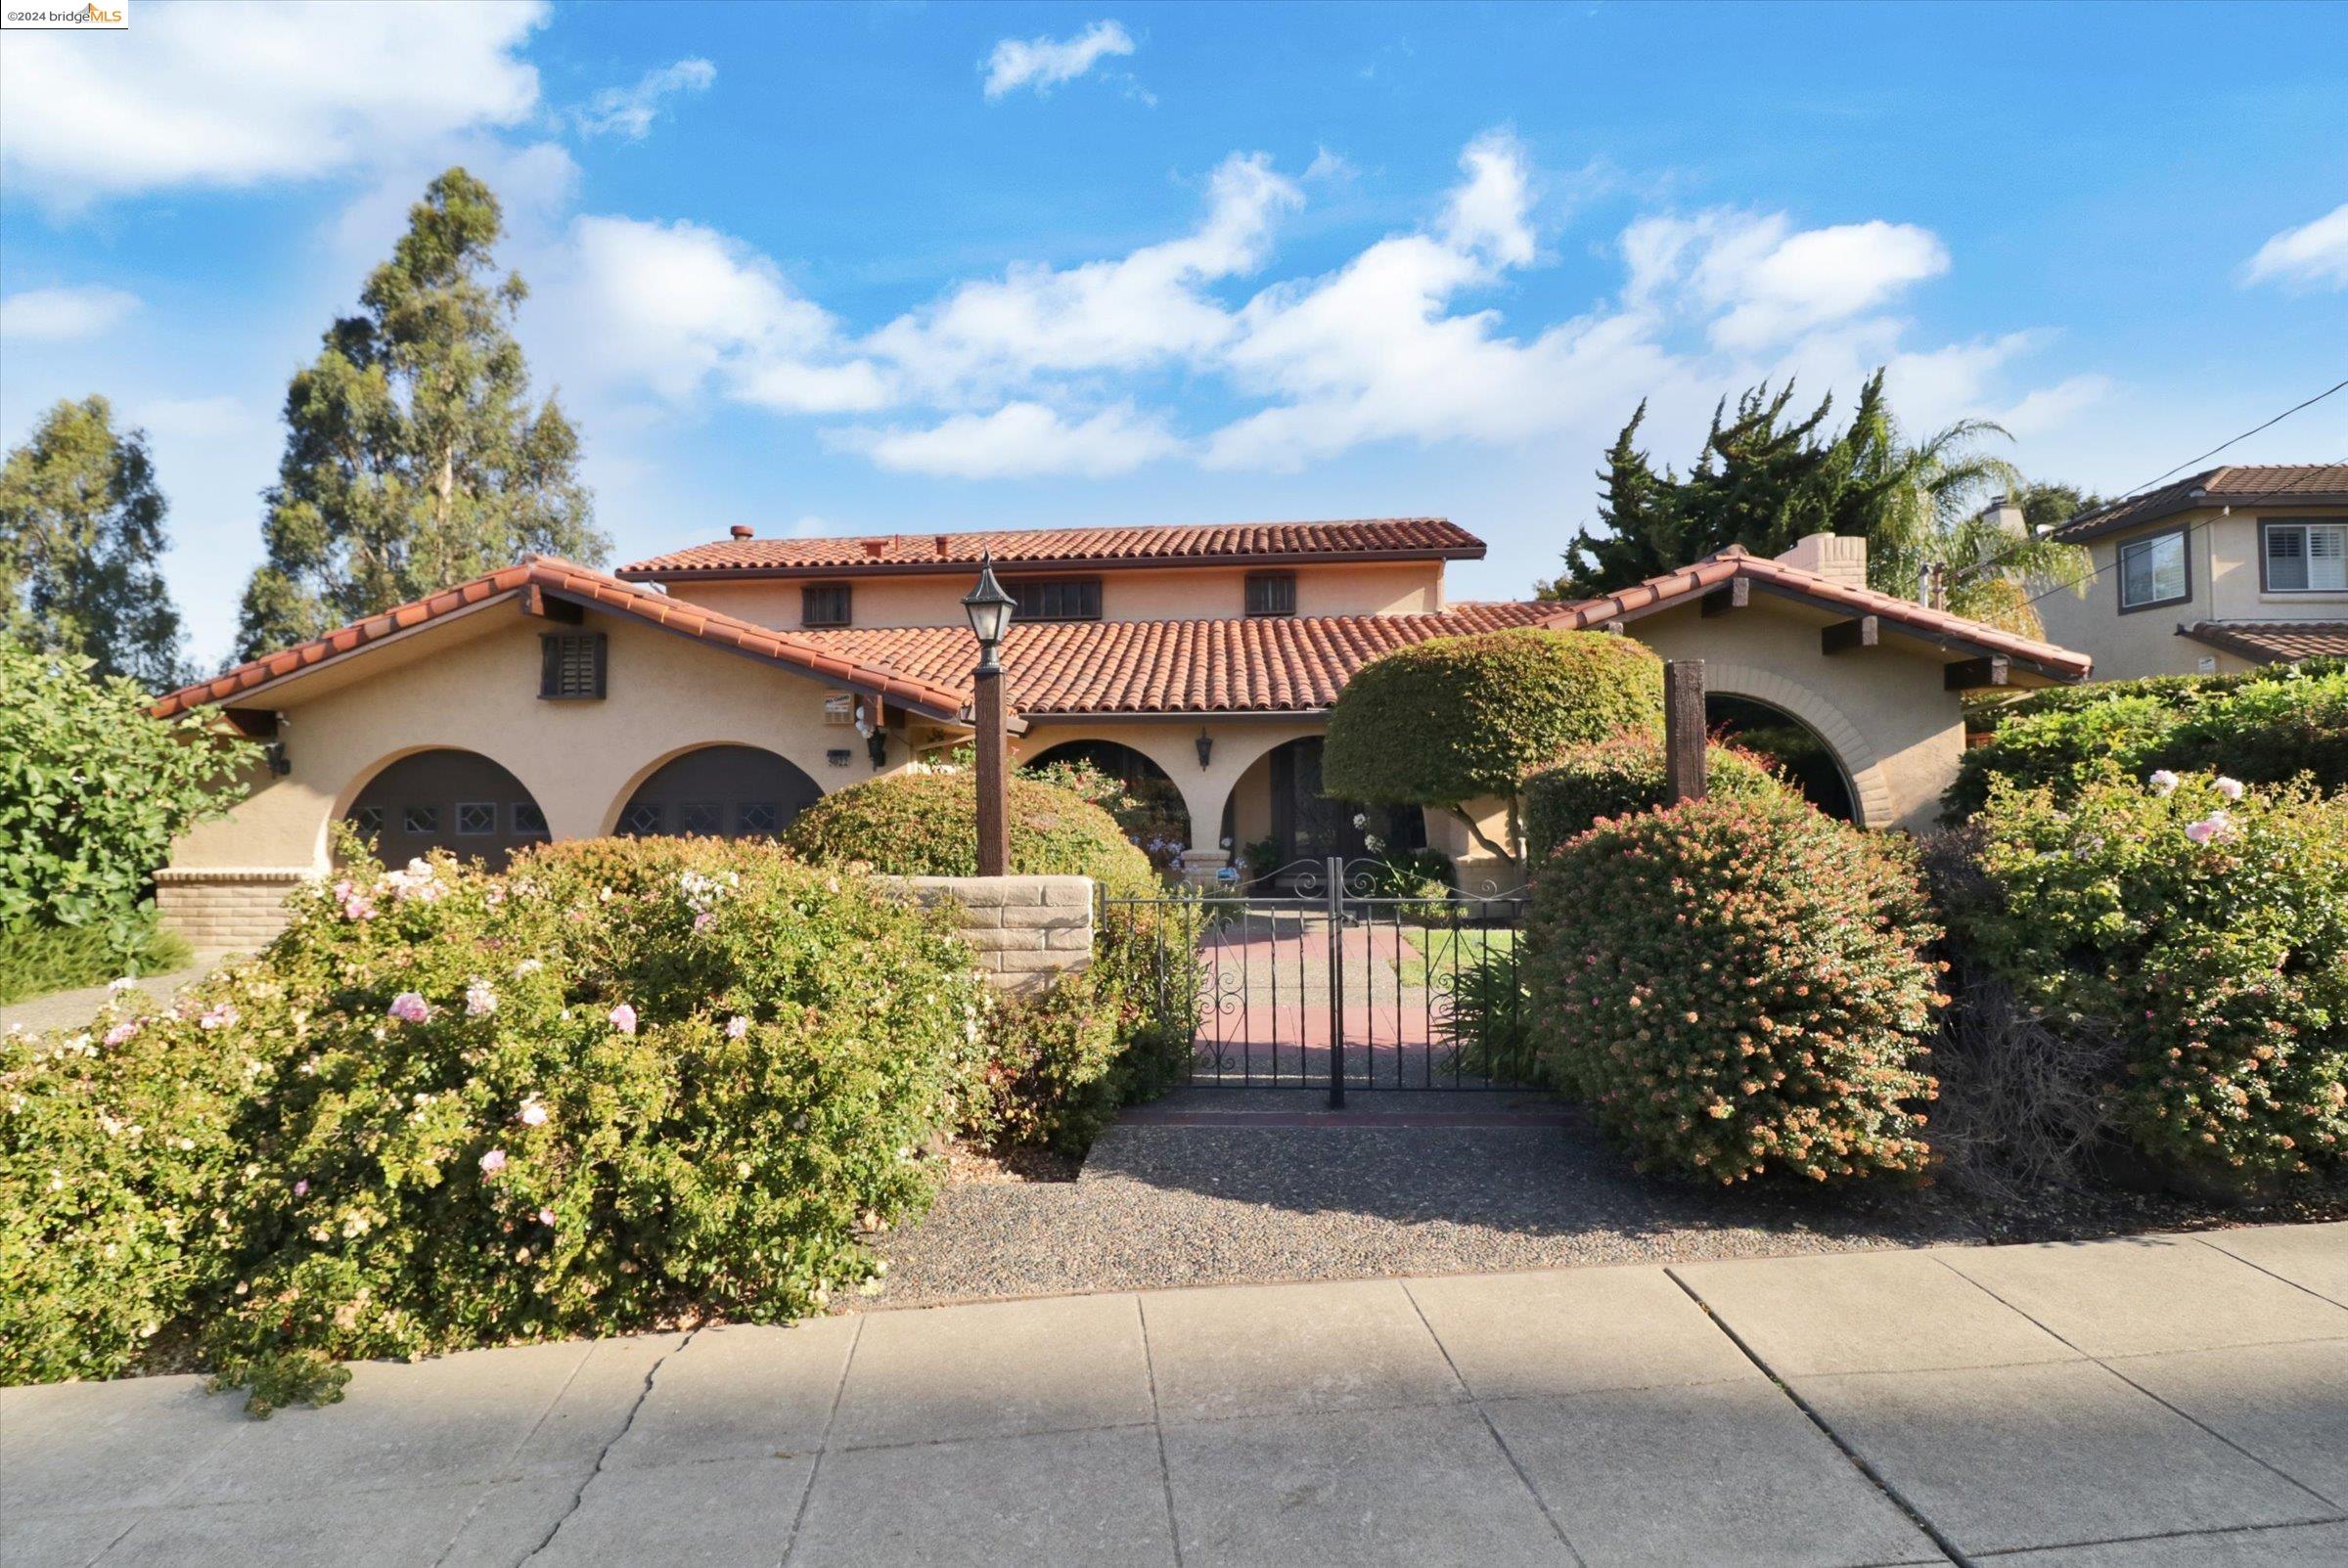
[
  {"x": 2231, "y": 568},
  {"x": 721, "y": 688}
]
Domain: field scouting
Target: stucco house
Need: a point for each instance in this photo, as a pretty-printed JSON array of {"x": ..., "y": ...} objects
[
  {"x": 2229, "y": 569},
  {"x": 720, "y": 689}
]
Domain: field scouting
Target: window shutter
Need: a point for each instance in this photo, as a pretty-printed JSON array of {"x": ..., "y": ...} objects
[
  {"x": 550, "y": 666},
  {"x": 571, "y": 665}
]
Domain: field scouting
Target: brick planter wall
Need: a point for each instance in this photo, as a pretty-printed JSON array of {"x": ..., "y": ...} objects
[
  {"x": 1024, "y": 931},
  {"x": 229, "y": 907}
]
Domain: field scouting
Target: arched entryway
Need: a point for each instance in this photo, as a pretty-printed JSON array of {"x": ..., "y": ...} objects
[
  {"x": 449, "y": 799},
  {"x": 1305, "y": 825},
  {"x": 1799, "y": 752},
  {"x": 1159, "y": 815},
  {"x": 727, "y": 792}
]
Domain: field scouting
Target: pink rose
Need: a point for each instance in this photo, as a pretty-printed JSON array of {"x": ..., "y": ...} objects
[
  {"x": 218, "y": 1016},
  {"x": 2164, "y": 781},
  {"x": 737, "y": 1026},
  {"x": 623, "y": 1019},
  {"x": 121, "y": 1032},
  {"x": 479, "y": 999},
  {"x": 2230, "y": 788},
  {"x": 493, "y": 1162},
  {"x": 532, "y": 1113},
  {"x": 301, "y": 1188},
  {"x": 2210, "y": 828},
  {"x": 409, "y": 1008},
  {"x": 546, "y": 1217}
]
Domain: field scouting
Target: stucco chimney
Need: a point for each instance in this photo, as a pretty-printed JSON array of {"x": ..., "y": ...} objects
[
  {"x": 741, "y": 530},
  {"x": 1837, "y": 557},
  {"x": 2004, "y": 515}
]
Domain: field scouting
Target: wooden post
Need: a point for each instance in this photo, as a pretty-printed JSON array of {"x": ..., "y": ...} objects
[
  {"x": 1684, "y": 728},
  {"x": 994, "y": 767}
]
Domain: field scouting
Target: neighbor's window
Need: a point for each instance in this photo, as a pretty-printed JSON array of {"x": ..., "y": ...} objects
[
  {"x": 824, "y": 605},
  {"x": 570, "y": 666},
  {"x": 2153, "y": 571},
  {"x": 1271, "y": 593},
  {"x": 1072, "y": 598},
  {"x": 2307, "y": 558}
]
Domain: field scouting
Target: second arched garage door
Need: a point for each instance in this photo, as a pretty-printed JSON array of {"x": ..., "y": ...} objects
[{"x": 720, "y": 792}]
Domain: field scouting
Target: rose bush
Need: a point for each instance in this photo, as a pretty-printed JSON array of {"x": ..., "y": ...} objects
[
  {"x": 1737, "y": 987},
  {"x": 623, "y": 1084},
  {"x": 2203, "y": 924}
]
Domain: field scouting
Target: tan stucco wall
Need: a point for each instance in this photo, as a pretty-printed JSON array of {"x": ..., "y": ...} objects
[
  {"x": 1884, "y": 711},
  {"x": 1404, "y": 588},
  {"x": 2224, "y": 551},
  {"x": 475, "y": 685}
]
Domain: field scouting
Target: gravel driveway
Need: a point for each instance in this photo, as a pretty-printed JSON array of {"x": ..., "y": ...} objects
[{"x": 1499, "y": 1183}]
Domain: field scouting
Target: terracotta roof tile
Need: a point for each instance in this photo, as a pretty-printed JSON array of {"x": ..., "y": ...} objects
[
  {"x": 1262, "y": 665},
  {"x": 1383, "y": 538},
  {"x": 1713, "y": 572},
  {"x": 2317, "y": 484},
  {"x": 2271, "y": 641},
  {"x": 585, "y": 585}
]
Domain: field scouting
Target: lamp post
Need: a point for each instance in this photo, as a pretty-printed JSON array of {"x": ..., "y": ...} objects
[{"x": 989, "y": 608}]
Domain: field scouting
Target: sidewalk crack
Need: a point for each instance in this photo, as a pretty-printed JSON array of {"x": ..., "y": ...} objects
[{"x": 579, "y": 1494}]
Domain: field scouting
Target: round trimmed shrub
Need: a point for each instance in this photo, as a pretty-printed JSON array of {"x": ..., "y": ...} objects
[
  {"x": 1737, "y": 987},
  {"x": 1464, "y": 718},
  {"x": 1621, "y": 775},
  {"x": 2204, "y": 925},
  {"x": 926, "y": 824}
]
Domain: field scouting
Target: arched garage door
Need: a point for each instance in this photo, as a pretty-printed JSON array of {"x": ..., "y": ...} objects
[
  {"x": 446, "y": 799},
  {"x": 720, "y": 792}
]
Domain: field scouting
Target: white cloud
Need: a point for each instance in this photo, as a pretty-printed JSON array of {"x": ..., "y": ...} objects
[
  {"x": 1142, "y": 309},
  {"x": 61, "y": 315},
  {"x": 1019, "y": 441},
  {"x": 630, "y": 110},
  {"x": 2052, "y": 408},
  {"x": 1489, "y": 214},
  {"x": 675, "y": 306},
  {"x": 229, "y": 95},
  {"x": 2314, "y": 255},
  {"x": 1762, "y": 282},
  {"x": 1043, "y": 64}
]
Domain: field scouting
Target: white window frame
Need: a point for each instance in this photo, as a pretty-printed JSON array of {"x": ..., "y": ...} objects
[
  {"x": 2182, "y": 539},
  {"x": 2333, "y": 554}
]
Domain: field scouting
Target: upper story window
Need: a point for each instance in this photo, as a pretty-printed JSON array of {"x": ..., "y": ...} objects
[
  {"x": 1068, "y": 598},
  {"x": 1271, "y": 593},
  {"x": 824, "y": 605},
  {"x": 2305, "y": 558},
  {"x": 570, "y": 666},
  {"x": 2155, "y": 571}
]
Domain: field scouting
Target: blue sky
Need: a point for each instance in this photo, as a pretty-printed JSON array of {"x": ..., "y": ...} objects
[{"x": 916, "y": 267}]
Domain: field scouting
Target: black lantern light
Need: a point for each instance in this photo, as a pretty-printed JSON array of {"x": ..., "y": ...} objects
[
  {"x": 1206, "y": 746},
  {"x": 989, "y": 608}
]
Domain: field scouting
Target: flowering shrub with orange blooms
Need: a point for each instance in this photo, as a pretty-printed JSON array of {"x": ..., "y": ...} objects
[
  {"x": 1737, "y": 987},
  {"x": 620, "y": 1084},
  {"x": 2204, "y": 923}
]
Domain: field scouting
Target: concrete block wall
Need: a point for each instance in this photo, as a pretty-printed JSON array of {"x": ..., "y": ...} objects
[
  {"x": 226, "y": 907},
  {"x": 1023, "y": 931}
]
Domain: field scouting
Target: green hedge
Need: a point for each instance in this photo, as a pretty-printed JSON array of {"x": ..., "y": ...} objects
[
  {"x": 1464, "y": 718},
  {"x": 1140, "y": 996},
  {"x": 2204, "y": 925},
  {"x": 623, "y": 1084},
  {"x": 1621, "y": 775},
  {"x": 1737, "y": 988},
  {"x": 92, "y": 792},
  {"x": 2262, "y": 727}
]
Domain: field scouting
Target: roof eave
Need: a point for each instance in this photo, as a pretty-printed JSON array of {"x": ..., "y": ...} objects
[{"x": 648, "y": 571}]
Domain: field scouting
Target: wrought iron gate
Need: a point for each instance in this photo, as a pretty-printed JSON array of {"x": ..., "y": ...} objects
[{"x": 1319, "y": 975}]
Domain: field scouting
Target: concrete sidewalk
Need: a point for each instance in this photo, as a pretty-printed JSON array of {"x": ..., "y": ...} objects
[{"x": 2159, "y": 1400}]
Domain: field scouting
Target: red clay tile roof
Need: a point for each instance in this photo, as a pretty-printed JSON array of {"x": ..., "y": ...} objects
[
  {"x": 1263, "y": 665},
  {"x": 579, "y": 585},
  {"x": 1218, "y": 544},
  {"x": 2271, "y": 641},
  {"x": 1938, "y": 626},
  {"x": 2298, "y": 484}
]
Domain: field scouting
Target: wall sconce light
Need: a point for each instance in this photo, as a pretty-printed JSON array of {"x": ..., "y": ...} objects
[
  {"x": 1206, "y": 746},
  {"x": 279, "y": 763},
  {"x": 876, "y": 747}
]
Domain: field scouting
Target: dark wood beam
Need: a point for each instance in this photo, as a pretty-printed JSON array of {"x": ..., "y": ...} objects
[
  {"x": 1684, "y": 729},
  {"x": 1966, "y": 675},
  {"x": 536, "y": 600},
  {"x": 1843, "y": 635},
  {"x": 1735, "y": 594},
  {"x": 253, "y": 723}
]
